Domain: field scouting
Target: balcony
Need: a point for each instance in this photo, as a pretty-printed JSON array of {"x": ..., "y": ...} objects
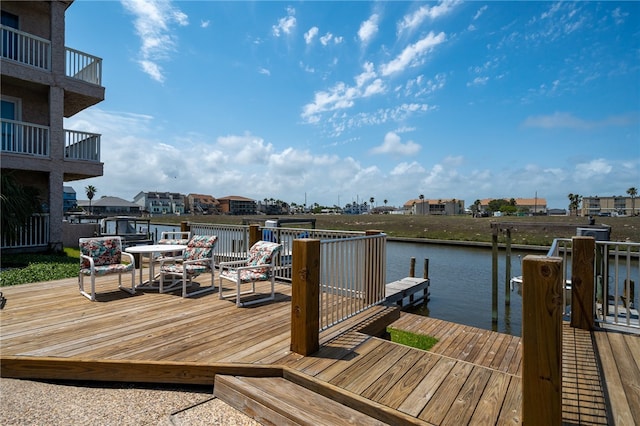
[
  {"x": 23, "y": 138},
  {"x": 35, "y": 52}
]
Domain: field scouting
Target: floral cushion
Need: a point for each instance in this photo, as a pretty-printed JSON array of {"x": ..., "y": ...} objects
[
  {"x": 190, "y": 268},
  {"x": 200, "y": 247},
  {"x": 260, "y": 256},
  {"x": 181, "y": 241},
  {"x": 109, "y": 269},
  {"x": 262, "y": 252},
  {"x": 103, "y": 251}
]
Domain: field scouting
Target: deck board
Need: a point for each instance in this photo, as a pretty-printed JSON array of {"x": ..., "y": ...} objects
[{"x": 470, "y": 375}]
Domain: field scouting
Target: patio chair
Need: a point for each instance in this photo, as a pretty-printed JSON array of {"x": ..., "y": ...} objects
[
  {"x": 103, "y": 256},
  {"x": 173, "y": 237},
  {"x": 259, "y": 266},
  {"x": 196, "y": 259}
]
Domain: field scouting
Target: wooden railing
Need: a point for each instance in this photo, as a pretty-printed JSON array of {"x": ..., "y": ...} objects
[
  {"x": 82, "y": 145},
  {"x": 608, "y": 268},
  {"x": 35, "y": 234},
  {"x": 25, "y": 48},
  {"x": 600, "y": 274},
  {"x": 25, "y": 138}
]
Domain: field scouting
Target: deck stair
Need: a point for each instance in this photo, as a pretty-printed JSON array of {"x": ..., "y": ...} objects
[{"x": 295, "y": 399}]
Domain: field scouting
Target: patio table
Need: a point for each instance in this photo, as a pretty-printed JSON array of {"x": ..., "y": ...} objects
[{"x": 151, "y": 250}]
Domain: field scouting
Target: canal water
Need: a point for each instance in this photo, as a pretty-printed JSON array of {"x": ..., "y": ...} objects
[{"x": 461, "y": 283}]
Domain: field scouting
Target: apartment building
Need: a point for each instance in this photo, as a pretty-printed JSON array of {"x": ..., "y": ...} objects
[
  {"x": 43, "y": 81},
  {"x": 434, "y": 207},
  {"x": 236, "y": 205},
  {"x": 608, "y": 206},
  {"x": 159, "y": 203},
  {"x": 202, "y": 204}
]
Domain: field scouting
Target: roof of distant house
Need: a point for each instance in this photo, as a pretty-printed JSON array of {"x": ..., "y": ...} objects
[{"x": 107, "y": 201}]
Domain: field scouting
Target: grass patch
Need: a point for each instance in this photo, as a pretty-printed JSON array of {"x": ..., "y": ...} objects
[
  {"x": 32, "y": 267},
  {"x": 420, "y": 341}
]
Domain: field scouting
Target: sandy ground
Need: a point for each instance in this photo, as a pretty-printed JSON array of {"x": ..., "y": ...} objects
[{"x": 27, "y": 402}]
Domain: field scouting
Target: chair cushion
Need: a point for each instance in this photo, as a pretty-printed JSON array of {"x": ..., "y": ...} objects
[
  {"x": 104, "y": 251},
  {"x": 262, "y": 252},
  {"x": 247, "y": 275},
  {"x": 118, "y": 268},
  {"x": 177, "y": 268},
  {"x": 200, "y": 247},
  {"x": 174, "y": 241}
]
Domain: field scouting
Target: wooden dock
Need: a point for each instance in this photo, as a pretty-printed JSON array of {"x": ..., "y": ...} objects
[{"x": 49, "y": 331}]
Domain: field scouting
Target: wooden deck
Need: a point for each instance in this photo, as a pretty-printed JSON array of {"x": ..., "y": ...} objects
[{"x": 49, "y": 331}]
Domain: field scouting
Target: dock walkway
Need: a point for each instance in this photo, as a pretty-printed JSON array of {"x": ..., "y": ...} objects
[{"x": 471, "y": 375}]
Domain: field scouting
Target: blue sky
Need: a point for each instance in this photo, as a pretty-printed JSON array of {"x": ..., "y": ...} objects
[{"x": 332, "y": 102}]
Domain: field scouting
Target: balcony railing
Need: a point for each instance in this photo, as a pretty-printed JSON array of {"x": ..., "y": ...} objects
[
  {"x": 82, "y": 146},
  {"x": 34, "y": 51},
  {"x": 25, "y": 48},
  {"x": 83, "y": 66},
  {"x": 25, "y": 138},
  {"x": 34, "y": 234}
]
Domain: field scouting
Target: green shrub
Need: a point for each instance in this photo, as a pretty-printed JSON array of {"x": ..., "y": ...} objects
[
  {"x": 32, "y": 268},
  {"x": 407, "y": 338}
]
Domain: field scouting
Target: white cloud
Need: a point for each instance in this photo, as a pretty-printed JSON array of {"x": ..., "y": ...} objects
[
  {"x": 413, "y": 55},
  {"x": 594, "y": 168},
  {"x": 392, "y": 144},
  {"x": 325, "y": 39},
  {"x": 264, "y": 71},
  {"x": 204, "y": 24},
  {"x": 369, "y": 28},
  {"x": 478, "y": 81},
  {"x": 153, "y": 22},
  {"x": 412, "y": 21},
  {"x": 480, "y": 12},
  {"x": 310, "y": 35},
  {"x": 286, "y": 24}
]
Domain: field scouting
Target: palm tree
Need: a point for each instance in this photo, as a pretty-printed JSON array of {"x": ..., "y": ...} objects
[
  {"x": 91, "y": 191},
  {"x": 421, "y": 196},
  {"x": 574, "y": 202},
  {"x": 633, "y": 192}
]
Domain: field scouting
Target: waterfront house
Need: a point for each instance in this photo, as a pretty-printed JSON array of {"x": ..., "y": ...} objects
[
  {"x": 43, "y": 81},
  {"x": 237, "y": 205},
  {"x": 157, "y": 203}
]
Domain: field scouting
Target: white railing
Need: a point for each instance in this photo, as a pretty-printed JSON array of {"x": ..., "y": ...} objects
[
  {"x": 285, "y": 236},
  {"x": 35, "y": 51},
  {"x": 616, "y": 273},
  {"x": 352, "y": 276},
  {"x": 82, "y": 66},
  {"x": 232, "y": 239},
  {"x": 81, "y": 145},
  {"x": 34, "y": 234},
  {"x": 352, "y": 264},
  {"x": 25, "y": 138},
  {"x": 25, "y": 48}
]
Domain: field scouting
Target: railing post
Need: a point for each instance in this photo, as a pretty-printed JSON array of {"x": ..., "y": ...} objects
[
  {"x": 494, "y": 277},
  {"x": 412, "y": 267},
  {"x": 305, "y": 296},
  {"x": 184, "y": 226},
  {"x": 254, "y": 234},
  {"x": 582, "y": 283},
  {"x": 542, "y": 340}
]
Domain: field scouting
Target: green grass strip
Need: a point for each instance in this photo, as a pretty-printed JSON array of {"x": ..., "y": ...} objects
[{"x": 407, "y": 338}]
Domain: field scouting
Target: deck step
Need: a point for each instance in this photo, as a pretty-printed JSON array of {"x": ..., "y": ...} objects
[{"x": 278, "y": 401}]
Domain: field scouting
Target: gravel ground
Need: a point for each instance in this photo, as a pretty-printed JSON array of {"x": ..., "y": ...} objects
[{"x": 27, "y": 402}]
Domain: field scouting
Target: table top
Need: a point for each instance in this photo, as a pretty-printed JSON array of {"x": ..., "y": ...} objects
[{"x": 155, "y": 248}]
